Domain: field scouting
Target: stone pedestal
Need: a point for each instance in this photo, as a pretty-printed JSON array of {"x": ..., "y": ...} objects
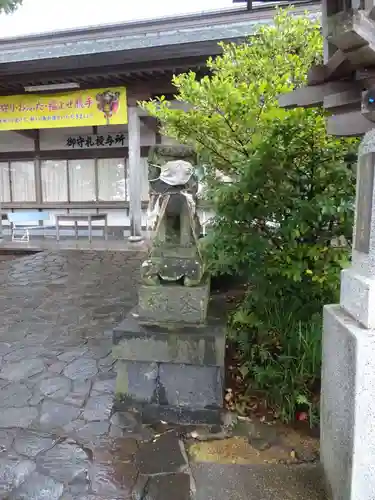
[
  {"x": 348, "y": 374},
  {"x": 348, "y": 407},
  {"x": 169, "y": 353},
  {"x": 174, "y": 368}
]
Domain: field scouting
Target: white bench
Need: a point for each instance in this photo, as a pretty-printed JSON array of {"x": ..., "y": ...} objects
[
  {"x": 89, "y": 218},
  {"x": 18, "y": 224}
]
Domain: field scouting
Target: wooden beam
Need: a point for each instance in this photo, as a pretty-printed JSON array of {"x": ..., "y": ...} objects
[
  {"x": 37, "y": 169},
  {"x": 350, "y": 124},
  {"x": 326, "y": 49},
  {"x": 317, "y": 74},
  {"x": 350, "y": 30},
  {"x": 328, "y": 8},
  {"x": 71, "y": 154},
  {"x": 343, "y": 102},
  {"x": 158, "y": 135},
  {"x": 365, "y": 76},
  {"x": 147, "y": 90},
  {"x": 135, "y": 180},
  {"x": 29, "y": 134},
  {"x": 337, "y": 66},
  {"x": 151, "y": 123},
  {"x": 162, "y": 58},
  {"x": 362, "y": 56},
  {"x": 306, "y": 97}
]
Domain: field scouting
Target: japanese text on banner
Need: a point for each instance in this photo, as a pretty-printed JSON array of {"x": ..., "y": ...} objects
[{"x": 80, "y": 108}]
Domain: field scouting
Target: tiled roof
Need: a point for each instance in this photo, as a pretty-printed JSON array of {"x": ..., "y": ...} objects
[{"x": 226, "y": 25}]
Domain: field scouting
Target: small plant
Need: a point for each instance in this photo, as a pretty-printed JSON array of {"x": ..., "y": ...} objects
[
  {"x": 281, "y": 358},
  {"x": 9, "y": 6}
]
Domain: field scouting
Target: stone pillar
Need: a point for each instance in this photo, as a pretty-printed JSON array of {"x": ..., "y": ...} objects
[
  {"x": 135, "y": 177},
  {"x": 348, "y": 374}
]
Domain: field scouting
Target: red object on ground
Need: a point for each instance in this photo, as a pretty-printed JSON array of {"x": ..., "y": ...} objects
[{"x": 301, "y": 416}]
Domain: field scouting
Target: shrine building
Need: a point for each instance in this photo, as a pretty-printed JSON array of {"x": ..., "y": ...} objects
[{"x": 72, "y": 138}]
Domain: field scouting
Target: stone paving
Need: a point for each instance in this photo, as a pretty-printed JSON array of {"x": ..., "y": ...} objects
[{"x": 60, "y": 437}]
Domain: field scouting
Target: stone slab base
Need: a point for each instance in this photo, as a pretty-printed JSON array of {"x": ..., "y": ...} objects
[
  {"x": 358, "y": 296},
  {"x": 164, "y": 303},
  {"x": 151, "y": 414},
  {"x": 215, "y": 481},
  {"x": 181, "y": 386},
  {"x": 348, "y": 406},
  {"x": 181, "y": 343}
]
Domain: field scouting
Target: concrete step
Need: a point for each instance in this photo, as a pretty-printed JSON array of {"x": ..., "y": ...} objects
[{"x": 258, "y": 482}]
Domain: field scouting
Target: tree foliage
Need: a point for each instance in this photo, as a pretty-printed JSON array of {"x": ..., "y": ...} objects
[
  {"x": 9, "y": 6},
  {"x": 285, "y": 220},
  {"x": 292, "y": 191}
]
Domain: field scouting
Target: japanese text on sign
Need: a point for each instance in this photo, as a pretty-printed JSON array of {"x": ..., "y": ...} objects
[
  {"x": 93, "y": 107},
  {"x": 52, "y": 105},
  {"x": 97, "y": 141}
]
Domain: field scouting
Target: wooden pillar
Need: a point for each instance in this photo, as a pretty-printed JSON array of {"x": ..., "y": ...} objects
[
  {"x": 135, "y": 177},
  {"x": 37, "y": 170},
  {"x": 329, "y": 8},
  {"x": 1, "y": 221}
]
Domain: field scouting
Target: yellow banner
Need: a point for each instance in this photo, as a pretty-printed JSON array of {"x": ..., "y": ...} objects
[{"x": 80, "y": 108}]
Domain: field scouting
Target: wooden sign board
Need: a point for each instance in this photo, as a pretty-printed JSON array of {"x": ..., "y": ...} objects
[{"x": 93, "y": 141}]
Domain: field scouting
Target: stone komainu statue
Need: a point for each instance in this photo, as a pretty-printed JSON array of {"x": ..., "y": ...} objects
[{"x": 174, "y": 254}]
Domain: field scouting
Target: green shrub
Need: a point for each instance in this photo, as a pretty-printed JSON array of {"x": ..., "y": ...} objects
[
  {"x": 281, "y": 359},
  {"x": 276, "y": 224},
  {"x": 9, "y": 6},
  {"x": 284, "y": 221}
]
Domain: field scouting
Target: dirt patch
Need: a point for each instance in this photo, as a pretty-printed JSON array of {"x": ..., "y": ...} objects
[
  {"x": 256, "y": 443},
  {"x": 259, "y": 437},
  {"x": 237, "y": 450},
  {"x": 305, "y": 446}
]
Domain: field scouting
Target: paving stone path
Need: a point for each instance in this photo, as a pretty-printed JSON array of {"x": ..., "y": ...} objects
[{"x": 60, "y": 436}]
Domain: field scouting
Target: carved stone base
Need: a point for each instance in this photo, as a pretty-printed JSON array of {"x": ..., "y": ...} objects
[
  {"x": 170, "y": 385},
  {"x": 178, "y": 342},
  {"x": 164, "y": 303},
  {"x": 172, "y": 368}
]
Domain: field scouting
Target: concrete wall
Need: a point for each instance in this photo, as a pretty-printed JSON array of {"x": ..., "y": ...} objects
[
  {"x": 337, "y": 401},
  {"x": 348, "y": 406}
]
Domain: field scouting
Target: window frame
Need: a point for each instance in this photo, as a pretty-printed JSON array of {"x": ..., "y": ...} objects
[{"x": 66, "y": 155}]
